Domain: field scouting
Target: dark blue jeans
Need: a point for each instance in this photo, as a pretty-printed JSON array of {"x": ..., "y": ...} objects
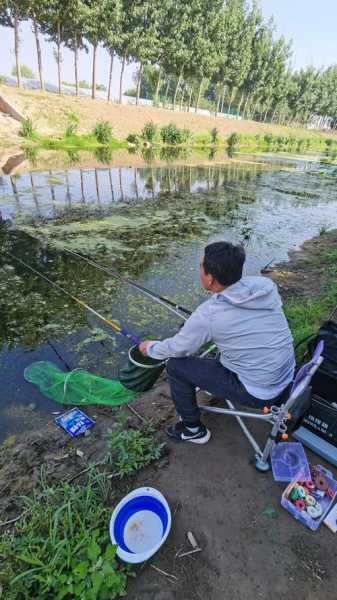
[{"x": 186, "y": 374}]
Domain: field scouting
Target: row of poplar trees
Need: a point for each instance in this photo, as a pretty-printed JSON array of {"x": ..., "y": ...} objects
[{"x": 188, "y": 47}]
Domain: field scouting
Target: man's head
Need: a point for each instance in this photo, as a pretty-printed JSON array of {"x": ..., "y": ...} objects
[{"x": 221, "y": 266}]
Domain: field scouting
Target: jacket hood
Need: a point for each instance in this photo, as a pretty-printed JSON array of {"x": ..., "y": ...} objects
[{"x": 258, "y": 293}]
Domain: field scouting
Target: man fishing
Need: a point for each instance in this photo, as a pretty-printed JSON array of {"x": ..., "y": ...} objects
[{"x": 245, "y": 320}]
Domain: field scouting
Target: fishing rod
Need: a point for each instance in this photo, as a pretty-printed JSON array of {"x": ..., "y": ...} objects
[
  {"x": 169, "y": 304},
  {"x": 116, "y": 328}
]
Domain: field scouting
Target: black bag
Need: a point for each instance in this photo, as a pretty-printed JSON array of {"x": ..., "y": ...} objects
[
  {"x": 322, "y": 415},
  {"x": 324, "y": 382}
]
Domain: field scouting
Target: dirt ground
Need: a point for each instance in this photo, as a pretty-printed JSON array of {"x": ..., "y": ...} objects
[{"x": 251, "y": 547}]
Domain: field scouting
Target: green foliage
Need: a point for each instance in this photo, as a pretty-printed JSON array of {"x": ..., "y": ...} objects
[
  {"x": 61, "y": 547},
  {"x": 133, "y": 449},
  {"x": 214, "y": 135},
  {"x": 31, "y": 154},
  {"x": 27, "y": 128},
  {"x": 149, "y": 131},
  {"x": 172, "y": 135},
  {"x": 133, "y": 138},
  {"x": 85, "y": 85},
  {"x": 305, "y": 316},
  {"x": 103, "y": 132},
  {"x": 25, "y": 72},
  {"x": 71, "y": 124},
  {"x": 233, "y": 144}
]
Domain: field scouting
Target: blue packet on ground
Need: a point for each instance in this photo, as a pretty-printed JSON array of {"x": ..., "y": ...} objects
[{"x": 74, "y": 422}]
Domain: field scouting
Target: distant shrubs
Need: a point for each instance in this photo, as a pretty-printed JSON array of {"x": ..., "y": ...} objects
[
  {"x": 149, "y": 132},
  {"x": 172, "y": 135},
  {"x": 233, "y": 143},
  {"x": 133, "y": 138},
  {"x": 214, "y": 135},
  {"x": 24, "y": 71},
  {"x": 103, "y": 132},
  {"x": 27, "y": 128}
]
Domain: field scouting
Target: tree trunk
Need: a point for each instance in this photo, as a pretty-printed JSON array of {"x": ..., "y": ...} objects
[
  {"x": 190, "y": 99},
  {"x": 266, "y": 113},
  {"x": 254, "y": 109},
  {"x": 199, "y": 94},
  {"x": 166, "y": 92},
  {"x": 17, "y": 54},
  {"x": 110, "y": 73},
  {"x": 58, "y": 43},
  {"x": 156, "y": 95},
  {"x": 139, "y": 82},
  {"x": 231, "y": 100},
  {"x": 177, "y": 87},
  {"x": 240, "y": 103},
  {"x": 223, "y": 98},
  {"x": 93, "y": 87},
  {"x": 217, "y": 106},
  {"x": 76, "y": 64},
  {"x": 38, "y": 50},
  {"x": 182, "y": 97},
  {"x": 121, "y": 78},
  {"x": 246, "y": 105}
]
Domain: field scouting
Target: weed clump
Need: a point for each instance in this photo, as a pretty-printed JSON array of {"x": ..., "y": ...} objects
[
  {"x": 27, "y": 128},
  {"x": 149, "y": 132},
  {"x": 233, "y": 144},
  {"x": 103, "y": 132},
  {"x": 133, "y": 449},
  {"x": 72, "y": 124},
  {"x": 172, "y": 135},
  {"x": 214, "y": 136}
]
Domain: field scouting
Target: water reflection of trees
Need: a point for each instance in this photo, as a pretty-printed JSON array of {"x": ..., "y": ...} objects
[{"x": 110, "y": 185}]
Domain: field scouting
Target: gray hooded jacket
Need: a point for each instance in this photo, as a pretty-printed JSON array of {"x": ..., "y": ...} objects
[{"x": 247, "y": 324}]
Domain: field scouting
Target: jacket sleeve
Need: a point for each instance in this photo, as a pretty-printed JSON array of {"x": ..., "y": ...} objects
[{"x": 188, "y": 340}]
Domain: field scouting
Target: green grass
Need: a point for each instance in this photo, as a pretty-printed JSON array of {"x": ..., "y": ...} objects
[
  {"x": 305, "y": 317},
  {"x": 60, "y": 549},
  {"x": 133, "y": 449},
  {"x": 77, "y": 142}
]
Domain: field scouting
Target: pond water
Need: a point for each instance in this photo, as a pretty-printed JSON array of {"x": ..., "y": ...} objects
[{"x": 148, "y": 223}]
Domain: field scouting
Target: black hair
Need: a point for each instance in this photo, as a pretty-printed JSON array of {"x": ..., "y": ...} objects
[{"x": 224, "y": 261}]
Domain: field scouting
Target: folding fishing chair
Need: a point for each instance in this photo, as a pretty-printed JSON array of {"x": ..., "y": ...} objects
[{"x": 280, "y": 417}]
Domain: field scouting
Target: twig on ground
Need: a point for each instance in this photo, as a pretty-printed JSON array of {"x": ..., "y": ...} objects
[
  {"x": 163, "y": 572},
  {"x": 84, "y": 471},
  {"x": 138, "y": 415},
  {"x": 15, "y": 518},
  {"x": 179, "y": 505},
  {"x": 188, "y": 553}
]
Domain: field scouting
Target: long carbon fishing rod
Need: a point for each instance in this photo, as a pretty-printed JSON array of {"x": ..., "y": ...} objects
[
  {"x": 117, "y": 329},
  {"x": 169, "y": 304}
]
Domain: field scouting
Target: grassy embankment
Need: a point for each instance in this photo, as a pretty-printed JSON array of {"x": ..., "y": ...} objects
[
  {"x": 50, "y": 116},
  {"x": 313, "y": 293}
]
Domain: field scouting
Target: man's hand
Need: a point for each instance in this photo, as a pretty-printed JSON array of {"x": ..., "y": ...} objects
[{"x": 143, "y": 346}]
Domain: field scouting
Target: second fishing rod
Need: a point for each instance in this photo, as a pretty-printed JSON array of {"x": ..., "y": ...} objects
[{"x": 177, "y": 309}]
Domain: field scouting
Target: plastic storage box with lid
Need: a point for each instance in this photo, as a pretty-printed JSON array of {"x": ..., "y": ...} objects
[
  {"x": 325, "y": 502},
  {"x": 288, "y": 460}
]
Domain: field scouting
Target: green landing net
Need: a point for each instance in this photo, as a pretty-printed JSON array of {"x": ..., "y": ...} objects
[{"x": 77, "y": 387}]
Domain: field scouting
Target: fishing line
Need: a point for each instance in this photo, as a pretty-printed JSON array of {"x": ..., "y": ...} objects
[
  {"x": 116, "y": 328},
  {"x": 169, "y": 304}
]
